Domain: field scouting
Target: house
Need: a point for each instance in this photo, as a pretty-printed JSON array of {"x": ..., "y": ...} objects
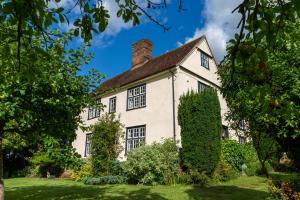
[{"x": 146, "y": 96}]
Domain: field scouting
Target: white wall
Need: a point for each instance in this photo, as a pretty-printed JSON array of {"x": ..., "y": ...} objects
[{"x": 157, "y": 115}]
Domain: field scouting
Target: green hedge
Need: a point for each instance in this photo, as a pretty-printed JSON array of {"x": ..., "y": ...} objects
[
  {"x": 104, "y": 180},
  {"x": 200, "y": 120}
]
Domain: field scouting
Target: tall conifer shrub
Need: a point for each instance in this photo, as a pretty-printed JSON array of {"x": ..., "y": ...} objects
[{"x": 200, "y": 120}]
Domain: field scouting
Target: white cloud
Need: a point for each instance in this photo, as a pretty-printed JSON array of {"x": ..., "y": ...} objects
[{"x": 220, "y": 25}]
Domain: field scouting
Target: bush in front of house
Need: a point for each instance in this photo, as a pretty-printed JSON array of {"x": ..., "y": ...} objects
[
  {"x": 105, "y": 144},
  {"x": 153, "y": 164},
  {"x": 104, "y": 180},
  {"x": 224, "y": 172},
  {"x": 200, "y": 120},
  {"x": 53, "y": 157},
  {"x": 84, "y": 170},
  {"x": 236, "y": 154}
]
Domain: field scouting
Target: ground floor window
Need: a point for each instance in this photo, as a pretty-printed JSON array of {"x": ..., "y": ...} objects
[
  {"x": 87, "y": 144},
  {"x": 225, "y": 132},
  {"x": 135, "y": 137},
  {"x": 242, "y": 139}
]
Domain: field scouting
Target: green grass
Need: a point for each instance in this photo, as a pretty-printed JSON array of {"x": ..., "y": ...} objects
[{"x": 243, "y": 188}]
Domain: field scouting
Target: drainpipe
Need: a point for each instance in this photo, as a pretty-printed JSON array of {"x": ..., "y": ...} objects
[{"x": 173, "y": 106}]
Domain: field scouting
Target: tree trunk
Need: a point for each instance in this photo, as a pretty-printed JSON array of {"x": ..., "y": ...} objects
[{"x": 1, "y": 162}]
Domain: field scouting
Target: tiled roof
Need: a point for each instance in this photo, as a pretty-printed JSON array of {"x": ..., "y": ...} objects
[{"x": 153, "y": 66}]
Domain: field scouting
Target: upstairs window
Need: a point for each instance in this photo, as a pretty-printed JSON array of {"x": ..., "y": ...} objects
[
  {"x": 204, "y": 60},
  {"x": 136, "y": 97},
  {"x": 202, "y": 86},
  {"x": 135, "y": 137},
  {"x": 94, "y": 111},
  {"x": 112, "y": 104},
  {"x": 87, "y": 151}
]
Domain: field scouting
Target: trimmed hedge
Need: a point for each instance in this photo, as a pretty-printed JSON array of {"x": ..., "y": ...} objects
[
  {"x": 200, "y": 120},
  {"x": 104, "y": 180}
]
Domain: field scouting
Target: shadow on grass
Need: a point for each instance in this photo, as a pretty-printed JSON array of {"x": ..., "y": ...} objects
[
  {"x": 78, "y": 192},
  {"x": 225, "y": 193}
]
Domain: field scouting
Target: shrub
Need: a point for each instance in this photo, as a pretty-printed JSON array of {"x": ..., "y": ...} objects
[
  {"x": 224, "y": 172},
  {"x": 152, "y": 164},
  {"x": 85, "y": 170},
  {"x": 285, "y": 190},
  {"x": 105, "y": 144},
  {"x": 53, "y": 157},
  {"x": 104, "y": 180},
  {"x": 200, "y": 120}
]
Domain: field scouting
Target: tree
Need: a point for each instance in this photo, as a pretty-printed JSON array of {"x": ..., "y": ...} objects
[
  {"x": 27, "y": 19},
  {"x": 46, "y": 96},
  {"x": 200, "y": 120},
  {"x": 105, "y": 144},
  {"x": 260, "y": 73}
]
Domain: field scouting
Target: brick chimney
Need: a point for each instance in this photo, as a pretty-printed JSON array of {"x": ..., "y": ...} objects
[{"x": 141, "y": 53}]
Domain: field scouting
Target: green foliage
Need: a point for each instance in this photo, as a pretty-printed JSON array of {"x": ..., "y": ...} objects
[
  {"x": 260, "y": 75},
  {"x": 224, "y": 172},
  {"x": 85, "y": 170},
  {"x": 54, "y": 157},
  {"x": 152, "y": 164},
  {"x": 43, "y": 97},
  {"x": 104, "y": 180},
  {"x": 236, "y": 155},
  {"x": 200, "y": 120},
  {"x": 105, "y": 142}
]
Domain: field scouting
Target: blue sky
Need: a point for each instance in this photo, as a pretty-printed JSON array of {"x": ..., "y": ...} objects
[{"x": 112, "y": 49}]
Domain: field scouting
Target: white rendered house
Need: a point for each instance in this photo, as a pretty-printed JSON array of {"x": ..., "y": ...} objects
[{"x": 146, "y": 97}]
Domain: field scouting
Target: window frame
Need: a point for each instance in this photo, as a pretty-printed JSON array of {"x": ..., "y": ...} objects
[
  {"x": 201, "y": 83},
  {"x": 204, "y": 55},
  {"x": 241, "y": 139},
  {"x": 95, "y": 109},
  {"x": 87, "y": 142},
  {"x": 139, "y": 138},
  {"x": 225, "y": 132},
  {"x": 110, "y": 105},
  {"x": 137, "y": 97}
]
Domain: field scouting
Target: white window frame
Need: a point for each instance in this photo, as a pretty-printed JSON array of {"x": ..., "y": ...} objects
[
  {"x": 204, "y": 60},
  {"x": 94, "y": 111},
  {"x": 136, "y": 97},
  {"x": 135, "y": 137},
  {"x": 88, "y": 145},
  {"x": 112, "y": 105}
]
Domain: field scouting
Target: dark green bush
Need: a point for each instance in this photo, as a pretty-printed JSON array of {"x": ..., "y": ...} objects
[
  {"x": 105, "y": 144},
  {"x": 200, "y": 120},
  {"x": 104, "y": 180},
  {"x": 153, "y": 164}
]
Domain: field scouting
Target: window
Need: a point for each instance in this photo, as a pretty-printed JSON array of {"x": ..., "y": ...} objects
[
  {"x": 225, "y": 132},
  {"x": 135, "y": 137},
  {"x": 202, "y": 86},
  {"x": 242, "y": 125},
  {"x": 94, "y": 111},
  {"x": 136, "y": 97},
  {"x": 87, "y": 144},
  {"x": 112, "y": 104},
  {"x": 204, "y": 60},
  {"x": 242, "y": 139}
]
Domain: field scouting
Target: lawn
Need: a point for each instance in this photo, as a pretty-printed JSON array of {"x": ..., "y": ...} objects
[{"x": 43, "y": 189}]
